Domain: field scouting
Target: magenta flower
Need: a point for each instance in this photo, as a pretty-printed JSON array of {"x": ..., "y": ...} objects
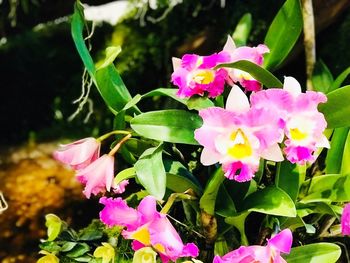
[
  {"x": 120, "y": 188},
  {"x": 238, "y": 136},
  {"x": 282, "y": 242},
  {"x": 252, "y": 54},
  {"x": 79, "y": 154},
  {"x": 146, "y": 227},
  {"x": 303, "y": 124},
  {"x": 98, "y": 176},
  {"x": 345, "y": 220},
  {"x": 195, "y": 75}
]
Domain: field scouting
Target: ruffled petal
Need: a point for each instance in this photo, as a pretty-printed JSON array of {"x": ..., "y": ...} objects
[{"x": 282, "y": 241}]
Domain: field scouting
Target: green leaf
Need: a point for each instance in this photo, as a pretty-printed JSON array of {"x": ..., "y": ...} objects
[
  {"x": 111, "y": 55},
  {"x": 283, "y": 33},
  {"x": 335, "y": 153},
  {"x": 208, "y": 199},
  {"x": 272, "y": 201},
  {"x": 179, "y": 179},
  {"x": 79, "y": 250},
  {"x": 345, "y": 165},
  {"x": 239, "y": 191},
  {"x": 326, "y": 188},
  {"x": 54, "y": 226},
  {"x": 322, "y": 78},
  {"x": 289, "y": 177},
  {"x": 340, "y": 79},
  {"x": 124, "y": 175},
  {"x": 151, "y": 173},
  {"x": 68, "y": 246},
  {"x": 224, "y": 206},
  {"x": 242, "y": 30},
  {"x": 175, "y": 126},
  {"x": 337, "y": 108},
  {"x": 193, "y": 103},
  {"x": 260, "y": 74},
  {"x": 314, "y": 253},
  {"x": 77, "y": 27}
]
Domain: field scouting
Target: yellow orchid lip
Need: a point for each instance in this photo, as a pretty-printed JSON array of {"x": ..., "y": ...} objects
[
  {"x": 203, "y": 76},
  {"x": 297, "y": 135},
  {"x": 241, "y": 148},
  {"x": 142, "y": 235}
]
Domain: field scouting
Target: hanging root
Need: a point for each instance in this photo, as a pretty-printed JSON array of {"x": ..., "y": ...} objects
[{"x": 3, "y": 203}]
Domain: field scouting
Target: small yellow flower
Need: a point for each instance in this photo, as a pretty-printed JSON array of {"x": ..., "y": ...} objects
[
  {"x": 145, "y": 255},
  {"x": 106, "y": 252}
]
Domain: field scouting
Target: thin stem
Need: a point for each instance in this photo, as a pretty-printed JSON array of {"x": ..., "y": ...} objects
[
  {"x": 105, "y": 136},
  {"x": 172, "y": 199},
  {"x": 119, "y": 144},
  {"x": 309, "y": 40}
]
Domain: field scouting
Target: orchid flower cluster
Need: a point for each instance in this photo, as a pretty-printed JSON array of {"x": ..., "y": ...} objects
[
  {"x": 241, "y": 134},
  {"x": 271, "y": 124}
]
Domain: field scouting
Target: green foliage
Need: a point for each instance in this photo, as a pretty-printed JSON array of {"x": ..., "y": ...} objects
[
  {"x": 242, "y": 30},
  {"x": 322, "y": 78},
  {"x": 283, "y": 33}
]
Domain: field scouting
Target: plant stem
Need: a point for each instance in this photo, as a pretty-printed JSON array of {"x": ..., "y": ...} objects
[
  {"x": 105, "y": 136},
  {"x": 119, "y": 144}
]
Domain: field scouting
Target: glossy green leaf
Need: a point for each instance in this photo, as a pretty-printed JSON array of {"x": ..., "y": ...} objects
[
  {"x": 337, "y": 108},
  {"x": 175, "y": 126},
  {"x": 283, "y": 33},
  {"x": 272, "y": 201},
  {"x": 242, "y": 30},
  {"x": 193, "y": 103},
  {"x": 78, "y": 250},
  {"x": 335, "y": 153},
  {"x": 345, "y": 165},
  {"x": 239, "y": 191},
  {"x": 224, "y": 205},
  {"x": 127, "y": 173},
  {"x": 340, "y": 79},
  {"x": 260, "y": 74},
  {"x": 322, "y": 78},
  {"x": 221, "y": 247},
  {"x": 326, "y": 188},
  {"x": 54, "y": 226},
  {"x": 208, "y": 199},
  {"x": 77, "y": 27},
  {"x": 151, "y": 173},
  {"x": 111, "y": 54},
  {"x": 179, "y": 179},
  {"x": 314, "y": 253},
  {"x": 289, "y": 177}
]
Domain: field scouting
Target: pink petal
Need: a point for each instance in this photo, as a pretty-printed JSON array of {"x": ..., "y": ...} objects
[
  {"x": 239, "y": 171},
  {"x": 98, "y": 176},
  {"x": 237, "y": 101},
  {"x": 147, "y": 208},
  {"x": 282, "y": 241},
  {"x": 292, "y": 86},
  {"x": 209, "y": 157},
  {"x": 117, "y": 213},
  {"x": 273, "y": 153},
  {"x": 229, "y": 45},
  {"x": 299, "y": 154},
  {"x": 176, "y": 63},
  {"x": 345, "y": 220},
  {"x": 120, "y": 188}
]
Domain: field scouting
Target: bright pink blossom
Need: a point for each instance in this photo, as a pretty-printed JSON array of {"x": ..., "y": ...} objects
[
  {"x": 345, "y": 220},
  {"x": 78, "y": 154},
  {"x": 282, "y": 242},
  {"x": 195, "y": 75},
  {"x": 238, "y": 136},
  {"x": 98, "y": 176},
  {"x": 146, "y": 227},
  {"x": 252, "y": 54},
  {"x": 303, "y": 124}
]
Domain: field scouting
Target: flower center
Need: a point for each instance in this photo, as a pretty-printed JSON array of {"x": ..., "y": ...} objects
[
  {"x": 203, "y": 76},
  {"x": 159, "y": 247},
  {"x": 142, "y": 236},
  {"x": 297, "y": 135},
  {"x": 241, "y": 147}
]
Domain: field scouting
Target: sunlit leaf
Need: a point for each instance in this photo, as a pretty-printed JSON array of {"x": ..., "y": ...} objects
[
  {"x": 314, "y": 253},
  {"x": 339, "y": 80},
  {"x": 337, "y": 109},
  {"x": 327, "y": 188},
  {"x": 272, "y": 201},
  {"x": 242, "y": 30},
  {"x": 260, "y": 74},
  {"x": 335, "y": 153},
  {"x": 151, "y": 173},
  {"x": 175, "y": 126},
  {"x": 283, "y": 33},
  {"x": 322, "y": 78},
  {"x": 54, "y": 226}
]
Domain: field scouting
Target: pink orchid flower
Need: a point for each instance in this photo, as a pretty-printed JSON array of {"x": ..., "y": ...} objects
[
  {"x": 98, "y": 176},
  {"x": 238, "y": 136},
  {"x": 282, "y": 242},
  {"x": 345, "y": 220},
  {"x": 303, "y": 124},
  {"x": 195, "y": 75},
  {"x": 78, "y": 154},
  {"x": 252, "y": 54},
  {"x": 146, "y": 227}
]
